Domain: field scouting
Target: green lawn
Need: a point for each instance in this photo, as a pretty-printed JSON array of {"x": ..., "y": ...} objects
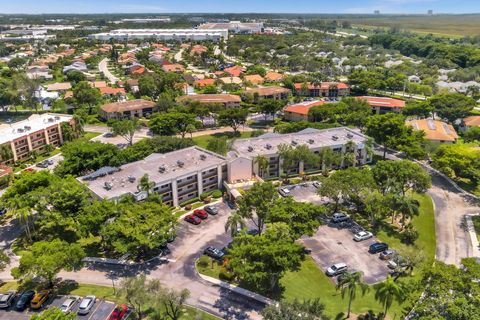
[
  {"x": 202, "y": 141},
  {"x": 87, "y": 135}
]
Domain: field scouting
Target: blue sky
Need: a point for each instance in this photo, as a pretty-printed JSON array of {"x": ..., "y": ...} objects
[{"x": 240, "y": 6}]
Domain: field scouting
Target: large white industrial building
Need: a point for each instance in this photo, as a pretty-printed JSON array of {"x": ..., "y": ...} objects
[{"x": 162, "y": 34}]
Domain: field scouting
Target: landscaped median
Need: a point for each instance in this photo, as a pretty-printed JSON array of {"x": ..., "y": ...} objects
[{"x": 310, "y": 282}]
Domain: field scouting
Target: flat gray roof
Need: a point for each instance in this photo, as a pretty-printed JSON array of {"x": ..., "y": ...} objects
[
  {"x": 194, "y": 159},
  {"x": 267, "y": 144}
]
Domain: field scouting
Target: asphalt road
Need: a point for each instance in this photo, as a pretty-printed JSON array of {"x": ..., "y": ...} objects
[{"x": 103, "y": 68}]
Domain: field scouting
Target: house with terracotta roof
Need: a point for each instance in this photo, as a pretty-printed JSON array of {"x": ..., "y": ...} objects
[
  {"x": 198, "y": 50},
  {"x": 112, "y": 92},
  {"x": 435, "y": 130},
  {"x": 174, "y": 67},
  {"x": 127, "y": 109},
  {"x": 227, "y": 100},
  {"x": 254, "y": 79},
  {"x": 203, "y": 83},
  {"x": 136, "y": 69},
  {"x": 98, "y": 84},
  {"x": 470, "y": 122},
  {"x": 323, "y": 89},
  {"x": 234, "y": 71},
  {"x": 131, "y": 83},
  {"x": 382, "y": 105},
  {"x": 299, "y": 111},
  {"x": 231, "y": 80},
  {"x": 59, "y": 86},
  {"x": 273, "y": 76},
  {"x": 276, "y": 93}
]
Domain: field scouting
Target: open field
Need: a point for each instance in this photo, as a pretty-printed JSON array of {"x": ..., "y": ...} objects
[{"x": 440, "y": 25}]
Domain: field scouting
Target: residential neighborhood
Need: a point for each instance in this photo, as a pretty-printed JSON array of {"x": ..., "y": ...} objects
[{"x": 302, "y": 163}]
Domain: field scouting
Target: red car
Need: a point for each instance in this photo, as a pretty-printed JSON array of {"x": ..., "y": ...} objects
[
  {"x": 119, "y": 312},
  {"x": 202, "y": 214},
  {"x": 192, "y": 219},
  {"x": 29, "y": 169}
]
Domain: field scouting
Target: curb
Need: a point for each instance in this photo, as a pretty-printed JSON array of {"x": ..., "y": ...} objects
[{"x": 473, "y": 234}]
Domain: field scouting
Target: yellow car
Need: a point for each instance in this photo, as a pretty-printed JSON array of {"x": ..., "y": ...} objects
[{"x": 39, "y": 299}]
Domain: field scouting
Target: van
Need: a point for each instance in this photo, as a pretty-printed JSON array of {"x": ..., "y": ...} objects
[{"x": 377, "y": 247}]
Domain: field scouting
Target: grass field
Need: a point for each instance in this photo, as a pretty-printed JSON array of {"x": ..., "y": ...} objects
[{"x": 440, "y": 25}]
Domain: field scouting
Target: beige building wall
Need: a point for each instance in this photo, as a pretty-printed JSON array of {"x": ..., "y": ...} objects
[{"x": 240, "y": 169}]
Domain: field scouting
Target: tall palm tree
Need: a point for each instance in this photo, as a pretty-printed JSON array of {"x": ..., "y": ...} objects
[
  {"x": 349, "y": 283},
  {"x": 145, "y": 184},
  {"x": 387, "y": 292},
  {"x": 235, "y": 222},
  {"x": 263, "y": 164},
  {"x": 328, "y": 159},
  {"x": 23, "y": 215}
]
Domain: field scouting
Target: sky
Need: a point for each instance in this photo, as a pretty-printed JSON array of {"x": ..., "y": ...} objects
[{"x": 238, "y": 6}]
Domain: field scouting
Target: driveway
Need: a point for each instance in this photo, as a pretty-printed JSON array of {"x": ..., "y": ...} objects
[
  {"x": 103, "y": 68},
  {"x": 306, "y": 192},
  {"x": 331, "y": 245}
]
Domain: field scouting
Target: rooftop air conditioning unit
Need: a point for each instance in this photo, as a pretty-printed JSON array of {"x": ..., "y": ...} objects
[
  {"x": 162, "y": 169},
  {"x": 108, "y": 185},
  {"x": 51, "y": 120},
  {"x": 203, "y": 157},
  {"x": 349, "y": 135},
  {"x": 180, "y": 163},
  {"x": 20, "y": 130},
  {"x": 268, "y": 146},
  {"x": 27, "y": 128},
  {"x": 131, "y": 179},
  {"x": 250, "y": 148},
  {"x": 334, "y": 138},
  {"x": 311, "y": 141}
]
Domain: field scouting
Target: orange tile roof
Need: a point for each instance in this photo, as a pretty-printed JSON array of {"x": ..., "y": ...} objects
[
  {"x": 254, "y": 78},
  {"x": 235, "y": 71},
  {"x": 112, "y": 91},
  {"x": 204, "y": 82},
  {"x": 383, "y": 102},
  {"x": 211, "y": 98},
  {"x": 98, "y": 84},
  {"x": 473, "y": 121},
  {"x": 68, "y": 94},
  {"x": 127, "y": 105},
  {"x": 322, "y": 85},
  {"x": 303, "y": 107},
  {"x": 268, "y": 91},
  {"x": 273, "y": 76},
  {"x": 435, "y": 130},
  {"x": 174, "y": 67}
]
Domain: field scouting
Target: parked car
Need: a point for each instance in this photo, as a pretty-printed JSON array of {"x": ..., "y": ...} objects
[
  {"x": 108, "y": 134},
  {"x": 377, "y": 247},
  {"x": 6, "y": 299},
  {"x": 192, "y": 219},
  {"x": 39, "y": 299},
  {"x": 49, "y": 162},
  {"x": 69, "y": 303},
  {"x": 388, "y": 254},
  {"x": 42, "y": 165},
  {"x": 362, "y": 235},
  {"x": 397, "y": 261},
  {"x": 284, "y": 192},
  {"x": 211, "y": 210},
  {"x": 29, "y": 169},
  {"x": 339, "y": 217},
  {"x": 24, "y": 300},
  {"x": 86, "y": 305},
  {"x": 337, "y": 269},
  {"x": 202, "y": 214},
  {"x": 214, "y": 253},
  {"x": 119, "y": 312},
  {"x": 316, "y": 184}
]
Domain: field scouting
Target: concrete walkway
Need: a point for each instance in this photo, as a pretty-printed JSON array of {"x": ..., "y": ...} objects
[{"x": 103, "y": 68}]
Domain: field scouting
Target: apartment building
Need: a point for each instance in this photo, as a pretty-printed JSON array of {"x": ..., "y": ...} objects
[
  {"x": 276, "y": 93},
  {"x": 382, "y": 105},
  {"x": 214, "y": 35},
  {"x": 235, "y": 26},
  {"x": 229, "y": 101},
  {"x": 19, "y": 139},
  {"x": 241, "y": 160},
  {"x": 323, "y": 89},
  {"x": 127, "y": 109},
  {"x": 178, "y": 176},
  {"x": 299, "y": 111}
]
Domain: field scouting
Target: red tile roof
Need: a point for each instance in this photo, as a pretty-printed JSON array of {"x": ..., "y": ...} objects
[
  {"x": 435, "y": 130},
  {"x": 322, "y": 86},
  {"x": 235, "y": 71},
  {"x": 473, "y": 121},
  {"x": 383, "y": 102},
  {"x": 112, "y": 91},
  {"x": 127, "y": 106},
  {"x": 303, "y": 107},
  {"x": 204, "y": 82}
]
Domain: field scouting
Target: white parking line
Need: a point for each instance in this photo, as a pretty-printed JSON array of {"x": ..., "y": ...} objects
[{"x": 92, "y": 312}]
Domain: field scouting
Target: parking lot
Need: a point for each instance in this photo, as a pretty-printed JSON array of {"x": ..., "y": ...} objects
[
  {"x": 100, "y": 311},
  {"x": 306, "y": 192},
  {"x": 331, "y": 245}
]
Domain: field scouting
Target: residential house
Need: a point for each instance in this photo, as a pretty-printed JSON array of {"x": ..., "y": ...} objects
[
  {"x": 273, "y": 76},
  {"x": 113, "y": 92},
  {"x": 382, "y": 105},
  {"x": 234, "y": 71},
  {"x": 77, "y": 66},
  {"x": 299, "y": 111},
  {"x": 276, "y": 93},
  {"x": 323, "y": 89},
  {"x": 39, "y": 72},
  {"x": 435, "y": 130},
  {"x": 227, "y": 100},
  {"x": 254, "y": 79},
  {"x": 128, "y": 109},
  {"x": 174, "y": 67},
  {"x": 59, "y": 86},
  {"x": 203, "y": 83},
  {"x": 470, "y": 122}
]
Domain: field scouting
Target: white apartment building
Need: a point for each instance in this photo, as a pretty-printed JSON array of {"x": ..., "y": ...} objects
[{"x": 214, "y": 35}]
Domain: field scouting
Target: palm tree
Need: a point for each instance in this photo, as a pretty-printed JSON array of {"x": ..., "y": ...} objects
[
  {"x": 407, "y": 207},
  {"x": 145, "y": 184},
  {"x": 348, "y": 284},
  {"x": 387, "y": 292},
  {"x": 23, "y": 215},
  {"x": 328, "y": 159},
  {"x": 263, "y": 164},
  {"x": 235, "y": 222}
]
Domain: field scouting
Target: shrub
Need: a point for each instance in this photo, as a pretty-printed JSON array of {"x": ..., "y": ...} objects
[
  {"x": 216, "y": 193},
  {"x": 225, "y": 275},
  {"x": 409, "y": 235},
  {"x": 183, "y": 204},
  {"x": 204, "y": 196}
]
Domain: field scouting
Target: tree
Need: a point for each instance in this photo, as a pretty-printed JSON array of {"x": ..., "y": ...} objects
[
  {"x": 263, "y": 164},
  {"x": 210, "y": 89},
  {"x": 458, "y": 161},
  {"x": 472, "y": 134},
  {"x": 296, "y": 310},
  {"x": 376, "y": 205},
  {"x": 233, "y": 118},
  {"x": 4, "y": 260},
  {"x": 139, "y": 229},
  {"x": 46, "y": 259},
  {"x": 145, "y": 184},
  {"x": 218, "y": 145},
  {"x": 85, "y": 95},
  {"x": 138, "y": 292},
  {"x": 28, "y": 88},
  {"x": 125, "y": 128},
  {"x": 329, "y": 158},
  {"x": 256, "y": 203},
  {"x": 172, "y": 123},
  {"x": 401, "y": 176},
  {"x": 235, "y": 223},
  {"x": 270, "y": 107},
  {"x": 171, "y": 303},
  {"x": 388, "y": 291},
  {"x": 349, "y": 284},
  {"x": 53, "y": 313},
  {"x": 419, "y": 109},
  {"x": 301, "y": 217},
  {"x": 452, "y": 106},
  {"x": 262, "y": 260},
  {"x": 76, "y": 76}
]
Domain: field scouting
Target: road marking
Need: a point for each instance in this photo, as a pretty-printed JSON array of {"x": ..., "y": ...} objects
[{"x": 93, "y": 311}]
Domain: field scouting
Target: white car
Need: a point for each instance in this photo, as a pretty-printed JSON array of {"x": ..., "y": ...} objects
[
  {"x": 337, "y": 269},
  {"x": 86, "y": 305},
  {"x": 362, "y": 235},
  {"x": 68, "y": 304},
  {"x": 284, "y": 191},
  {"x": 6, "y": 299}
]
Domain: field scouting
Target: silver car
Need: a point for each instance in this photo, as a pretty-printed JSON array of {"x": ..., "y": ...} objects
[
  {"x": 86, "y": 305},
  {"x": 69, "y": 303},
  {"x": 6, "y": 299}
]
